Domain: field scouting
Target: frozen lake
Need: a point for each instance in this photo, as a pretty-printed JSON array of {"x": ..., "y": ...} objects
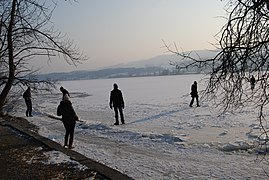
[
  {"x": 144, "y": 97},
  {"x": 163, "y": 137}
]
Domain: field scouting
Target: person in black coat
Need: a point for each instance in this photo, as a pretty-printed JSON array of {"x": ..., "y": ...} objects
[
  {"x": 69, "y": 118},
  {"x": 194, "y": 94},
  {"x": 116, "y": 101},
  {"x": 27, "y": 97},
  {"x": 64, "y": 91},
  {"x": 252, "y": 82}
]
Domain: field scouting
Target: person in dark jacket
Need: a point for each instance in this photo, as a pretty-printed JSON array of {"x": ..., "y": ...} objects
[
  {"x": 69, "y": 118},
  {"x": 27, "y": 97},
  {"x": 194, "y": 94},
  {"x": 64, "y": 91},
  {"x": 252, "y": 82},
  {"x": 116, "y": 101}
]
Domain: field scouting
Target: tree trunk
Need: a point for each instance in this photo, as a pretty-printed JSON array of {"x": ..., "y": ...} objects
[{"x": 11, "y": 77}]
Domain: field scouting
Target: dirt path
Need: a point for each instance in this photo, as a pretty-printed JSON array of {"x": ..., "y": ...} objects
[{"x": 24, "y": 158}]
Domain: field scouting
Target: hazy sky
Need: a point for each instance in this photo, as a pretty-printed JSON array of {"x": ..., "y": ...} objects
[{"x": 118, "y": 31}]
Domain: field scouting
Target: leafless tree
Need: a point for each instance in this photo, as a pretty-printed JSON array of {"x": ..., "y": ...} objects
[
  {"x": 243, "y": 52},
  {"x": 26, "y": 32}
]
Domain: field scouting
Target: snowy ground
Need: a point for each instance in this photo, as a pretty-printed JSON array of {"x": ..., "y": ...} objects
[{"x": 163, "y": 137}]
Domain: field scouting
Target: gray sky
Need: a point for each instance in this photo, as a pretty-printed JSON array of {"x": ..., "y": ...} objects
[{"x": 110, "y": 32}]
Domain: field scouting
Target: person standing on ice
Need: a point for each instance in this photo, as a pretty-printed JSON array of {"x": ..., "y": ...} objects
[
  {"x": 64, "y": 91},
  {"x": 116, "y": 101},
  {"x": 27, "y": 97},
  {"x": 252, "y": 82},
  {"x": 194, "y": 94},
  {"x": 69, "y": 118}
]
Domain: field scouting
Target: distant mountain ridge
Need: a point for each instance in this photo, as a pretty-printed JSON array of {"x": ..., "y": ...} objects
[
  {"x": 159, "y": 65},
  {"x": 103, "y": 73},
  {"x": 164, "y": 60}
]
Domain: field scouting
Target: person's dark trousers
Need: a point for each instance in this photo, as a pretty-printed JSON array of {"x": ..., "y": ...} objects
[
  {"x": 117, "y": 110},
  {"x": 29, "y": 107},
  {"x": 69, "y": 132},
  {"x": 192, "y": 100}
]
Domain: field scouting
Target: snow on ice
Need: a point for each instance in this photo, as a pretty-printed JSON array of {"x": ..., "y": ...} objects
[{"x": 163, "y": 137}]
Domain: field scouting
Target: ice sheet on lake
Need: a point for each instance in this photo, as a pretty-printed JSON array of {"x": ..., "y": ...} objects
[{"x": 163, "y": 137}]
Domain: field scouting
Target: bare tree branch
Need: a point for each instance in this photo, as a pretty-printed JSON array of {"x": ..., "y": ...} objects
[
  {"x": 243, "y": 52},
  {"x": 26, "y": 33}
]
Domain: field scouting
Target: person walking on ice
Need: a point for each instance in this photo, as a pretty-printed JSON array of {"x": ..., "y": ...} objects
[
  {"x": 64, "y": 91},
  {"x": 194, "y": 94},
  {"x": 117, "y": 102},
  {"x": 69, "y": 118},
  {"x": 252, "y": 82}
]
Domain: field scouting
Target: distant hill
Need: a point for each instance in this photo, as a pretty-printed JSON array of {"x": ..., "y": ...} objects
[
  {"x": 164, "y": 60},
  {"x": 103, "y": 73},
  {"x": 156, "y": 66}
]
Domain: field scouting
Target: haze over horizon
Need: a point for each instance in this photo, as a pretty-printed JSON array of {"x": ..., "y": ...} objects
[{"x": 120, "y": 31}]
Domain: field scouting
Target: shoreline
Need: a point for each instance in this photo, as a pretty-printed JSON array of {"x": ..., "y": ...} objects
[{"x": 28, "y": 133}]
